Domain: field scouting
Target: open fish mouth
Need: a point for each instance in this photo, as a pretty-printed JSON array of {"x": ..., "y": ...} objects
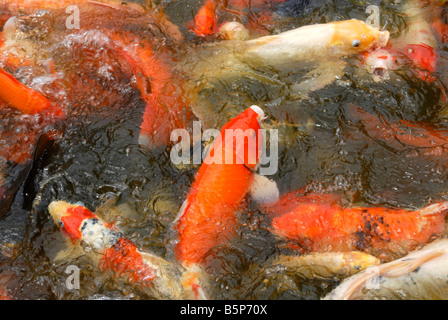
[{"x": 380, "y": 74}]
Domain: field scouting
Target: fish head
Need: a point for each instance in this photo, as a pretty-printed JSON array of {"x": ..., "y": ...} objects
[
  {"x": 69, "y": 217},
  {"x": 205, "y": 21},
  {"x": 379, "y": 63},
  {"x": 355, "y": 36}
]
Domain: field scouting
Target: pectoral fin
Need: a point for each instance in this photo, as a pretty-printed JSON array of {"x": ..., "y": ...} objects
[
  {"x": 264, "y": 190},
  {"x": 318, "y": 78}
]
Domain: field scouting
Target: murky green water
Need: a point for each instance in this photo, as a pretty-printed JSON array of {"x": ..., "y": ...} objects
[{"x": 98, "y": 157}]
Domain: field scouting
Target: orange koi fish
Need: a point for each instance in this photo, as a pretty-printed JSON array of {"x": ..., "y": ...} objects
[
  {"x": 23, "y": 98},
  {"x": 207, "y": 217},
  {"x": 206, "y": 20},
  {"x": 319, "y": 223},
  {"x": 117, "y": 254},
  {"x": 428, "y": 139},
  {"x": 165, "y": 105}
]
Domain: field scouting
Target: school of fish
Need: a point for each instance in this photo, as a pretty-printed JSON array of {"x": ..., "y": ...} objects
[{"x": 331, "y": 237}]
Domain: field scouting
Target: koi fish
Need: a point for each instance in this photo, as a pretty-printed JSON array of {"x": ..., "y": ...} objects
[
  {"x": 233, "y": 31},
  {"x": 319, "y": 223},
  {"x": 417, "y": 48},
  {"x": 326, "y": 265},
  {"x": 308, "y": 43},
  {"x": 380, "y": 62},
  {"x": 163, "y": 89},
  {"x": 419, "y": 275},
  {"x": 117, "y": 253},
  {"x": 428, "y": 139},
  {"x": 207, "y": 217}
]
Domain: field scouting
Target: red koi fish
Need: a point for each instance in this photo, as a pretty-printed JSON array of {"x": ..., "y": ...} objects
[
  {"x": 428, "y": 139},
  {"x": 117, "y": 254},
  {"x": 207, "y": 217},
  {"x": 319, "y": 223},
  {"x": 23, "y": 98}
]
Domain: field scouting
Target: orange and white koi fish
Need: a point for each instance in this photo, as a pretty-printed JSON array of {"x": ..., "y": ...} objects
[
  {"x": 116, "y": 253},
  {"x": 321, "y": 44},
  {"x": 150, "y": 64},
  {"x": 319, "y": 223},
  {"x": 421, "y": 275},
  {"x": 380, "y": 62},
  {"x": 208, "y": 216}
]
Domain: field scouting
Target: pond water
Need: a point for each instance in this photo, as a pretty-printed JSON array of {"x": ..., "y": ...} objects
[{"x": 95, "y": 156}]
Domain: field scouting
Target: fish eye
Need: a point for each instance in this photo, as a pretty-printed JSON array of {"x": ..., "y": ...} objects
[{"x": 356, "y": 43}]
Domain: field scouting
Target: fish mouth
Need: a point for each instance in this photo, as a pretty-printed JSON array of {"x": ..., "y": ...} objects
[{"x": 380, "y": 74}]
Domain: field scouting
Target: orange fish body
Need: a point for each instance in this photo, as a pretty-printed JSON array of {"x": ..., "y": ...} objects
[
  {"x": 320, "y": 224},
  {"x": 402, "y": 134},
  {"x": 160, "y": 88},
  {"x": 23, "y": 98},
  {"x": 119, "y": 254},
  {"x": 440, "y": 24},
  {"x": 208, "y": 217}
]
